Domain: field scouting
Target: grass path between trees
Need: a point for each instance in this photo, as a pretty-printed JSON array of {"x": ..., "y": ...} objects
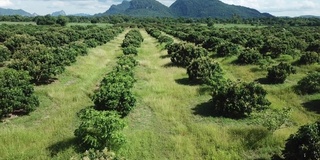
[
  {"x": 166, "y": 123},
  {"x": 47, "y": 133}
]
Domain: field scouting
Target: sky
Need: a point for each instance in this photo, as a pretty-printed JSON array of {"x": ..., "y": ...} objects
[{"x": 290, "y": 8}]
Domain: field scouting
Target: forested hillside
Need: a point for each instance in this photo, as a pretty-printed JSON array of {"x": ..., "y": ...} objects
[
  {"x": 183, "y": 8},
  {"x": 212, "y": 8}
]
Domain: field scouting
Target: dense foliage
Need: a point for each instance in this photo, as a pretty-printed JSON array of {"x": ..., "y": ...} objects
[
  {"x": 305, "y": 144},
  {"x": 279, "y": 73},
  {"x": 309, "y": 84},
  {"x": 238, "y": 100},
  {"x": 249, "y": 56},
  {"x": 5, "y": 54},
  {"x": 133, "y": 38},
  {"x": 44, "y": 51},
  {"x": 16, "y": 93},
  {"x": 310, "y": 58},
  {"x": 99, "y": 130},
  {"x": 204, "y": 69},
  {"x": 183, "y": 54}
]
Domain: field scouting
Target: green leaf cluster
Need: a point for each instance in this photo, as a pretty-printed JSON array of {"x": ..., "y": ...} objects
[
  {"x": 100, "y": 129},
  {"x": 238, "y": 100},
  {"x": 16, "y": 92},
  {"x": 304, "y": 144},
  {"x": 278, "y": 74}
]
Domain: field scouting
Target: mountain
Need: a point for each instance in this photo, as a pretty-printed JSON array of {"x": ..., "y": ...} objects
[
  {"x": 5, "y": 12},
  {"x": 59, "y": 13},
  {"x": 212, "y": 8},
  {"x": 183, "y": 8},
  {"x": 140, "y": 8},
  {"x": 152, "y": 8},
  {"x": 118, "y": 9}
]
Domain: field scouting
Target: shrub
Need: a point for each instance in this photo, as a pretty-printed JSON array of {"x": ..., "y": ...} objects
[
  {"x": 5, "y": 54},
  {"x": 249, "y": 56},
  {"x": 100, "y": 129},
  {"x": 126, "y": 63},
  {"x": 79, "y": 47},
  {"x": 132, "y": 38},
  {"x": 154, "y": 32},
  {"x": 91, "y": 43},
  {"x": 39, "y": 61},
  {"x": 130, "y": 50},
  {"x": 314, "y": 46},
  {"x": 227, "y": 49},
  {"x": 114, "y": 97},
  {"x": 310, "y": 58},
  {"x": 16, "y": 92},
  {"x": 309, "y": 84},
  {"x": 204, "y": 69},
  {"x": 165, "y": 39},
  {"x": 279, "y": 73},
  {"x": 238, "y": 100},
  {"x": 212, "y": 43},
  {"x": 183, "y": 54},
  {"x": 305, "y": 144}
]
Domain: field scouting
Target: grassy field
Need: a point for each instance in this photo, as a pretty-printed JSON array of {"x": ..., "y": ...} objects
[
  {"x": 170, "y": 121},
  {"x": 47, "y": 133}
]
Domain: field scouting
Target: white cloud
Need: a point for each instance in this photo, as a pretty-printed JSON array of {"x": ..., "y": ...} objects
[
  {"x": 281, "y": 7},
  {"x": 5, "y": 3}
]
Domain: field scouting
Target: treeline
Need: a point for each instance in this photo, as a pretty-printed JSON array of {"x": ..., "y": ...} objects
[
  {"x": 101, "y": 125},
  {"x": 261, "y": 46},
  {"x": 118, "y": 19},
  {"x": 36, "y": 54}
]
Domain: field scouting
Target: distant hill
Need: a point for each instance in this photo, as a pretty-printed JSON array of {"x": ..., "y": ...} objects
[
  {"x": 118, "y": 9},
  {"x": 140, "y": 8},
  {"x": 183, "y": 8},
  {"x": 6, "y": 12},
  {"x": 151, "y": 8},
  {"x": 59, "y": 13},
  {"x": 212, "y": 8}
]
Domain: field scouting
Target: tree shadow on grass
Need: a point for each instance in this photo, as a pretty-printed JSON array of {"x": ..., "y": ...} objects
[
  {"x": 186, "y": 81},
  {"x": 170, "y": 64},
  {"x": 204, "y": 109},
  {"x": 46, "y": 82},
  {"x": 165, "y": 56},
  {"x": 313, "y": 106},
  {"x": 61, "y": 146},
  {"x": 263, "y": 81}
]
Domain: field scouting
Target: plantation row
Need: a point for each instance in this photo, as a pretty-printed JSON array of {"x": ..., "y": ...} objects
[
  {"x": 261, "y": 46},
  {"x": 240, "y": 99},
  {"x": 253, "y": 44},
  {"x": 33, "y": 54},
  {"x": 101, "y": 125}
]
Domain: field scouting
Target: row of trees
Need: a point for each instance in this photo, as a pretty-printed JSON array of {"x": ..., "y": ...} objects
[
  {"x": 34, "y": 54},
  {"x": 256, "y": 46},
  {"x": 101, "y": 125},
  {"x": 162, "y": 39},
  {"x": 46, "y": 52},
  {"x": 252, "y": 44},
  {"x": 239, "y": 99},
  {"x": 229, "y": 99}
]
